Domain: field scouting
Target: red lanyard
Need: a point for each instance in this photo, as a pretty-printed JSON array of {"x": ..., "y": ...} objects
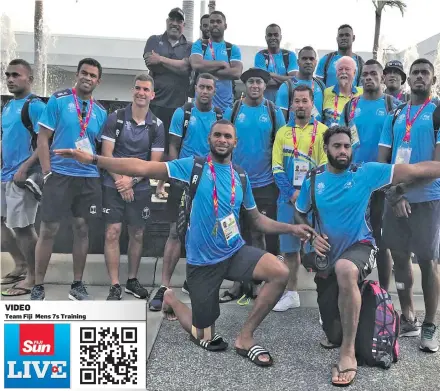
[
  {"x": 212, "y": 50},
  {"x": 272, "y": 60},
  {"x": 335, "y": 110},
  {"x": 399, "y": 95},
  {"x": 410, "y": 122},
  {"x": 214, "y": 190},
  {"x": 312, "y": 142},
  {"x": 353, "y": 108},
  {"x": 83, "y": 124}
]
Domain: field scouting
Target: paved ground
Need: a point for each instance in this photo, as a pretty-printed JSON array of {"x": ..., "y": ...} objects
[{"x": 300, "y": 364}]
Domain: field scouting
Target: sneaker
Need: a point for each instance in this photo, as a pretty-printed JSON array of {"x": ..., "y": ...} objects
[
  {"x": 288, "y": 300},
  {"x": 79, "y": 292},
  {"x": 115, "y": 292},
  {"x": 37, "y": 293},
  {"x": 429, "y": 340},
  {"x": 156, "y": 303},
  {"x": 281, "y": 258},
  {"x": 134, "y": 287},
  {"x": 408, "y": 328},
  {"x": 185, "y": 288}
]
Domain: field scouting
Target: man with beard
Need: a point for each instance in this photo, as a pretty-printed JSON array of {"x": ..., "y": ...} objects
[
  {"x": 337, "y": 96},
  {"x": 298, "y": 147},
  {"x": 327, "y": 71},
  {"x": 204, "y": 27},
  {"x": 257, "y": 121},
  {"x": 215, "y": 253},
  {"x": 307, "y": 65},
  {"x": 74, "y": 120},
  {"x": 220, "y": 58},
  {"x": 342, "y": 194},
  {"x": 282, "y": 64},
  {"x": 395, "y": 78},
  {"x": 412, "y": 221},
  {"x": 18, "y": 205},
  {"x": 130, "y": 132}
]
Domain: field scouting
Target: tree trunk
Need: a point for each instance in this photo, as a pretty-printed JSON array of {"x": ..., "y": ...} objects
[
  {"x": 188, "y": 9},
  {"x": 211, "y": 6},
  {"x": 377, "y": 33},
  {"x": 38, "y": 47}
]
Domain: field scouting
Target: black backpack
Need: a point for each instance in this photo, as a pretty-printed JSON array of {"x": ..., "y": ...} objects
[
  {"x": 187, "y": 108},
  {"x": 285, "y": 53},
  {"x": 290, "y": 89},
  {"x": 120, "y": 123},
  {"x": 271, "y": 109},
  {"x": 359, "y": 62},
  {"x": 194, "y": 74},
  {"x": 347, "y": 107},
  {"x": 189, "y": 192}
]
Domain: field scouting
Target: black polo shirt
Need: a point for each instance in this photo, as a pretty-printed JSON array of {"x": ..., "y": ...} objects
[{"x": 171, "y": 88}]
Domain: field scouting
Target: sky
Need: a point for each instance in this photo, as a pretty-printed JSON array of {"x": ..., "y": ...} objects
[{"x": 305, "y": 22}]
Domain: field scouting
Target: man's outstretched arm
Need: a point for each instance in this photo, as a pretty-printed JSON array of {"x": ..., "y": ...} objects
[{"x": 124, "y": 166}]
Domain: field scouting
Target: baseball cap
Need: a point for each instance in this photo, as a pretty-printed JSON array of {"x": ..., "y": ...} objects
[
  {"x": 177, "y": 12},
  {"x": 398, "y": 66}
]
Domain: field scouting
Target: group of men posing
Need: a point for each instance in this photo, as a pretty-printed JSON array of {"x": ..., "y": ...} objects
[{"x": 255, "y": 153}]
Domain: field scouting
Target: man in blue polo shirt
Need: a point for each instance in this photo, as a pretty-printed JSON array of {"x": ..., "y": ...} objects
[
  {"x": 219, "y": 58},
  {"x": 412, "y": 222},
  {"x": 214, "y": 246},
  {"x": 282, "y": 64},
  {"x": 307, "y": 64},
  {"x": 18, "y": 205},
  {"x": 327, "y": 65},
  {"x": 74, "y": 120}
]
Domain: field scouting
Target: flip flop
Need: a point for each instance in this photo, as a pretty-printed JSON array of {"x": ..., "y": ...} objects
[
  {"x": 216, "y": 344},
  {"x": 162, "y": 195},
  {"x": 227, "y": 297},
  {"x": 253, "y": 355},
  {"x": 12, "y": 278},
  {"x": 244, "y": 300},
  {"x": 342, "y": 383},
  {"x": 24, "y": 291}
]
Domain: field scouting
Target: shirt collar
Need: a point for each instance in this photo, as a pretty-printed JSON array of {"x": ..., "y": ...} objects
[
  {"x": 129, "y": 116},
  {"x": 338, "y": 92},
  {"x": 292, "y": 121},
  {"x": 182, "y": 40}
]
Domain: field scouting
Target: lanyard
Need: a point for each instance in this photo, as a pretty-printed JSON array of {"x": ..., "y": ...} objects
[
  {"x": 312, "y": 142},
  {"x": 272, "y": 60},
  {"x": 211, "y": 49},
  {"x": 399, "y": 95},
  {"x": 410, "y": 122},
  {"x": 353, "y": 108},
  {"x": 83, "y": 124},
  {"x": 214, "y": 190},
  {"x": 335, "y": 110},
  {"x": 313, "y": 86}
]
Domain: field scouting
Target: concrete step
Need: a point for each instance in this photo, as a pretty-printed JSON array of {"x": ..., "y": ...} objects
[{"x": 150, "y": 271}]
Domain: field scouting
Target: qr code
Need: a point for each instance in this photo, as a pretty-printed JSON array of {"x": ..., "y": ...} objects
[{"x": 108, "y": 355}]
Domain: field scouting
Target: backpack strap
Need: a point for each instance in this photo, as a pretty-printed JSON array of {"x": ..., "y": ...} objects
[
  {"x": 196, "y": 174},
  {"x": 243, "y": 178},
  {"x": 271, "y": 109},
  {"x": 26, "y": 120},
  {"x": 204, "y": 46},
  {"x": 345, "y": 111},
  {"x": 395, "y": 115},
  {"x": 187, "y": 109},
  {"x": 327, "y": 64},
  {"x": 320, "y": 84},
  {"x": 218, "y": 113},
  {"x": 265, "y": 54},
  {"x": 289, "y": 96},
  {"x": 388, "y": 103},
  {"x": 235, "y": 110},
  {"x": 228, "y": 50},
  {"x": 360, "y": 64},
  {"x": 120, "y": 123},
  {"x": 286, "y": 55},
  {"x": 436, "y": 121},
  {"x": 316, "y": 221}
]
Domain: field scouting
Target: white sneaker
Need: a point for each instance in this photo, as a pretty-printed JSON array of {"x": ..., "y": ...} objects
[{"x": 288, "y": 300}]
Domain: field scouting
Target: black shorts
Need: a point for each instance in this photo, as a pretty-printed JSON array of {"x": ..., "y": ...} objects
[
  {"x": 116, "y": 210},
  {"x": 174, "y": 197},
  {"x": 204, "y": 283},
  {"x": 418, "y": 234},
  {"x": 363, "y": 256},
  {"x": 377, "y": 205},
  {"x": 65, "y": 195}
]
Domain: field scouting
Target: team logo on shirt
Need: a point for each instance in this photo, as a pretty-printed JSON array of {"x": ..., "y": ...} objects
[
  {"x": 146, "y": 213},
  {"x": 241, "y": 117},
  {"x": 400, "y": 118},
  {"x": 92, "y": 209},
  {"x": 263, "y": 118},
  {"x": 71, "y": 107},
  {"x": 193, "y": 120},
  {"x": 224, "y": 52},
  {"x": 426, "y": 117},
  {"x": 320, "y": 187},
  {"x": 348, "y": 185},
  {"x": 380, "y": 112}
]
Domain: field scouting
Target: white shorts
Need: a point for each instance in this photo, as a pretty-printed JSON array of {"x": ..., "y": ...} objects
[{"x": 18, "y": 206}]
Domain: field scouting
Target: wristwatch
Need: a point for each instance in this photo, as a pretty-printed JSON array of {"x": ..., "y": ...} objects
[{"x": 135, "y": 181}]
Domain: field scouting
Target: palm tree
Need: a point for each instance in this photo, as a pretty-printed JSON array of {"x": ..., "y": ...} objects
[
  {"x": 38, "y": 46},
  {"x": 188, "y": 10},
  {"x": 379, "y": 5}
]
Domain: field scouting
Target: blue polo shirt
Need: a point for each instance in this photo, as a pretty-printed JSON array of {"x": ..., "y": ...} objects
[
  {"x": 61, "y": 117},
  {"x": 202, "y": 246},
  {"x": 196, "y": 137},
  {"x": 331, "y": 70},
  {"x": 223, "y": 97},
  {"x": 343, "y": 203},
  {"x": 422, "y": 143},
  {"x": 254, "y": 148},
  {"x": 16, "y": 139},
  {"x": 276, "y": 66}
]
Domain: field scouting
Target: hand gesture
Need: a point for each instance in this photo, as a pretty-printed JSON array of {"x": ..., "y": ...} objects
[
  {"x": 152, "y": 58},
  {"x": 124, "y": 183},
  {"x": 321, "y": 245},
  {"x": 402, "y": 208},
  {"x": 128, "y": 195},
  {"x": 303, "y": 231}
]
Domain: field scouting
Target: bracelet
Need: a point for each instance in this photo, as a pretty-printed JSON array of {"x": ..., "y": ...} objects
[
  {"x": 46, "y": 175},
  {"x": 95, "y": 160}
]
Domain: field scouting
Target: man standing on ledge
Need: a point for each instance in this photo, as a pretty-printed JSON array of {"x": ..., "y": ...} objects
[{"x": 215, "y": 248}]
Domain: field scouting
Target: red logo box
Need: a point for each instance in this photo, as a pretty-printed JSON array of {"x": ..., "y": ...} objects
[{"x": 37, "y": 339}]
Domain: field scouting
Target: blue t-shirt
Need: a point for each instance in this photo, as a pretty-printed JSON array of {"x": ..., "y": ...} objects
[
  {"x": 196, "y": 137},
  {"x": 276, "y": 66},
  {"x": 16, "y": 139},
  {"x": 254, "y": 148},
  {"x": 202, "y": 247},
  {"x": 61, "y": 117},
  {"x": 422, "y": 144},
  {"x": 343, "y": 203},
  {"x": 369, "y": 118},
  {"x": 223, "y": 97},
  {"x": 331, "y": 70},
  {"x": 318, "y": 94}
]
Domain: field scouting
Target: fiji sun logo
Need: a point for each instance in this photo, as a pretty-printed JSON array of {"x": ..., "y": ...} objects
[{"x": 37, "y": 355}]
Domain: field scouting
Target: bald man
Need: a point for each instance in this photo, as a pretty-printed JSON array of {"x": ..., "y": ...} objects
[{"x": 335, "y": 97}]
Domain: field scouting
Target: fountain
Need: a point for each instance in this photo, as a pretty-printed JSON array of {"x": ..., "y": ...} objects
[{"x": 8, "y": 48}]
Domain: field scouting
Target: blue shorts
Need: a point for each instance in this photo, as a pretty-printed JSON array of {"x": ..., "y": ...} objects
[{"x": 286, "y": 214}]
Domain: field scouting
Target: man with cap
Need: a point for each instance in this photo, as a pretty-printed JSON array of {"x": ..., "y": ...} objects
[
  {"x": 257, "y": 120},
  {"x": 394, "y": 79},
  {"x": 166, "y": 57}
]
